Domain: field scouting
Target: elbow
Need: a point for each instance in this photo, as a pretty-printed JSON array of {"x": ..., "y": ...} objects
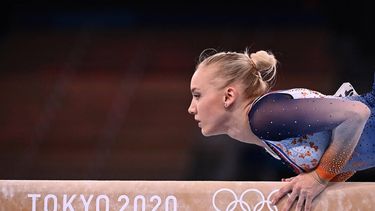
[{"x": 362, "y": 112}]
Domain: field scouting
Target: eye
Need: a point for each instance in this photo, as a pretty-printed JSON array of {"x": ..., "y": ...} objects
[{"x": 196, "y": 95}]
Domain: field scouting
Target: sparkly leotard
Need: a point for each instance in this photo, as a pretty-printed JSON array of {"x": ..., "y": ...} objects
[{"x": 297, "y": 126}]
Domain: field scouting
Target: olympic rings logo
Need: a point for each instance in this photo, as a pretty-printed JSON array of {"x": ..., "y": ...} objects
[{"x": 245, "y": 206}]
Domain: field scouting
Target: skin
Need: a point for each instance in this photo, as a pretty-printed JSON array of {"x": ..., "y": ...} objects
[
  {"x": 220, "y": 110},
  {"x": 224, "y": 111},
  {"x": 304, "y": 187}
]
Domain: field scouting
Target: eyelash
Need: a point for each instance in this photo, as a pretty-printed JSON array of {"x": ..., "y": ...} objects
[{"x": 196, "y": 95}]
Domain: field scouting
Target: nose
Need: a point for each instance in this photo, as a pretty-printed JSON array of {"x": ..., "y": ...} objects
[{"x": 192, "y": 109}]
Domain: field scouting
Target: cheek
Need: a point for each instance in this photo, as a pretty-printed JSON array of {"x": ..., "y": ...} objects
[
  {"x": 210, "y": 113},
  {"x": 208, "y": 109},
  {"x": 213, "y": 123}
]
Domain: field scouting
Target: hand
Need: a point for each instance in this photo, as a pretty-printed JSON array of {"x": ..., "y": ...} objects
[
  {"x": 287, "y": 179},
  {"x": 304, "y": 188}
]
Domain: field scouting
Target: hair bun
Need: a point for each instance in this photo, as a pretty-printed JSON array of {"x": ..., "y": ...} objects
[{"x": 263, "y": 60}]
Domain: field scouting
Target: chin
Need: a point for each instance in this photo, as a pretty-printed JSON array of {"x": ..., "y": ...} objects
[
  {"x": 205, "y": 133},
  {"x": 208, "y": 132}
]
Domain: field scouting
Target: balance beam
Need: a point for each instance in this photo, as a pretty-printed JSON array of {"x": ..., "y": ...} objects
[{"x": 69, "y": 195}]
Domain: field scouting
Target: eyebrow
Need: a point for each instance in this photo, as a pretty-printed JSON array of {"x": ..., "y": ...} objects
[{"x": 194, "y": 89}]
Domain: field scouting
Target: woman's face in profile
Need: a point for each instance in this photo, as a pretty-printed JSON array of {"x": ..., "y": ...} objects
[{"x": 207, "y": 104}]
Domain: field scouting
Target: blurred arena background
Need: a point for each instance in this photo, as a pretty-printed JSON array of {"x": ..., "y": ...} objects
[{"x": 99, "y": 90}]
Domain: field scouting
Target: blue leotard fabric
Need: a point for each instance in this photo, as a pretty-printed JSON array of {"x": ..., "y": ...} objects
[{"x": 297, "y": 125}]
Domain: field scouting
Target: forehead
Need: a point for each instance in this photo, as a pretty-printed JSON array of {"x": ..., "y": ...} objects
[{"x": 203, "y": 75}]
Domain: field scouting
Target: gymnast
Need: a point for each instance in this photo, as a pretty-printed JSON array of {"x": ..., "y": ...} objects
[{"x": 323, "y": 138}]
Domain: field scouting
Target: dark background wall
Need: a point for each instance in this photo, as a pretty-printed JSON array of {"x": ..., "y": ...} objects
[{"x": 99, "y": 90}]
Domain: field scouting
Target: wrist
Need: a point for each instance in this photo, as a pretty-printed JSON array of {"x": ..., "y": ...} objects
[
  {"x": 318, "y": 178},
  {"x": 324, "y": 174}
]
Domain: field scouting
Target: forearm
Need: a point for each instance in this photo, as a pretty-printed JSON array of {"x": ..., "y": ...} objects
[
  {"x": 344, "y": 139},
  {"x": 342, "y": 177}
]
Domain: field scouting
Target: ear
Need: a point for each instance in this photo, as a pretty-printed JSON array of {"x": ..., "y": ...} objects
[{"x": 230, "y": 96}]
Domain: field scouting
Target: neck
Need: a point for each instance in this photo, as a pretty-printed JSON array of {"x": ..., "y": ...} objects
[{"x": 240, "y": 128}]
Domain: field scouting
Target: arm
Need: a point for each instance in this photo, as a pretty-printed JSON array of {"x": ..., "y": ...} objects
[
  {"x": 344, "y": 139},
  {"x": 342, "y": 177},
  {"x": 279, "y": 116}
]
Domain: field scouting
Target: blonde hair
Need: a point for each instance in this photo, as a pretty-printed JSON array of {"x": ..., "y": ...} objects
[{"x": 255, "y": 71}]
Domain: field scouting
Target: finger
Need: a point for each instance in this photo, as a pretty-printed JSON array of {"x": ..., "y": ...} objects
[
  {"x": 289, "y": 179},
  {"x": 281, "y": 193},
  {"x": 291, "y": 199},
  {"x": 308, "y": 202},
  {"x": 301, "y": 200}
]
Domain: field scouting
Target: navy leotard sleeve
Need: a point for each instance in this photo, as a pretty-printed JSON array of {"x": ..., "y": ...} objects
[{"x": 278, "y": 116}]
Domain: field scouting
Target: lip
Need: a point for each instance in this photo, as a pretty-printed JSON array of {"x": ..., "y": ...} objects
[{"x": 199, "y": 122}]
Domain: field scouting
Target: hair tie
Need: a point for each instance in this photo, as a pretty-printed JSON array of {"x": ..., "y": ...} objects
[
  {"x": 256, "y": 70},
  {"x": 253, "y": 64}
]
